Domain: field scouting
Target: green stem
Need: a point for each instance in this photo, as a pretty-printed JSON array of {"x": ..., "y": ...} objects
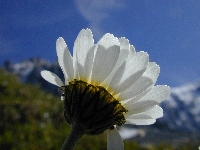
[{"x": 76, "y": 133}]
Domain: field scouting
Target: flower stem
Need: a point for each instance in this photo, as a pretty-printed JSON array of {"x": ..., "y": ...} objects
[{"x": 76, "y": 133}]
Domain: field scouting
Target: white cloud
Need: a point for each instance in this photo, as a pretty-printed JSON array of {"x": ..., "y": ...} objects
[{"x": 95, "y": 11}]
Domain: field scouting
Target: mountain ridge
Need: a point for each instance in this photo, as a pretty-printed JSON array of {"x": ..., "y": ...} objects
[{"x": 181, "y": 111}]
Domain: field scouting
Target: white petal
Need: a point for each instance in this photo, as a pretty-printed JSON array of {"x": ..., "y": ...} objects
[
  {"x": 134, "y": 99},
  {"x": 140, "y": 121},
  {"x": 124, "y": 43},
  {"x": 65, "y": 59},
  {"x": 140, "y": 106},
  {"x": 132, "y": 49},
  {"x": 124, "y": 52},
  {"x": 138, "y": 87},
  {"x": 157, "y": 93},
  {"x": 114, "y": 140},
  {"x": 108, "y": 40},
  {"x": 51, "y": 77},
  {"x": 138, "y": 116},
  {"x": 152, "y": 71},
  {"x": 84, "y": 48},
  {"x": 104, "y": 62},
  {"x": 129, "y": 72},
  {"x": 77, "y": 47},
  {"x": 155, "y": 112},
  {"x": 86, "y": 70},
  {"x": 145, "y": 81}
]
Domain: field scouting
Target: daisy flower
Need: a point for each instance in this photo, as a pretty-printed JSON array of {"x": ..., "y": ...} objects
[{"x": 107, "y": 84}]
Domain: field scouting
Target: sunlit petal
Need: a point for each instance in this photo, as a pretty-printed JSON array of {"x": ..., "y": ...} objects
[
  {"x": 84, "y": 48},
  {"x": 103, "y": 65},
  {"x": 140, "y": 106},
  {"x": 135, "y": 89},
  {"x": 152, "y": 71},
  {"x": 155, "y": 112},
  {"x": 140, "y": 121},
  {"x": 65, "y": 59},
  {"x": 158, "y": 93},
  {"x": 52, "y": 78},
  {"x": 124, "y": 52},
  {"x": 108, "y": 40},
  {"x": 129, "y": 72}
]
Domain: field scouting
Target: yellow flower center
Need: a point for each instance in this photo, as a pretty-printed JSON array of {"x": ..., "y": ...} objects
[{"x": 92, "y": 107}]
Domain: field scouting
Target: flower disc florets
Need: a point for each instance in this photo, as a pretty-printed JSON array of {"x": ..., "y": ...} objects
[{"x": 92, "y": 107}]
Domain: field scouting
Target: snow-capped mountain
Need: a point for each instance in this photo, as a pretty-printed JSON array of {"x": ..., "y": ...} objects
[
  {"x": 181, "y": 109},
  {"x": 29, "y": 72}
]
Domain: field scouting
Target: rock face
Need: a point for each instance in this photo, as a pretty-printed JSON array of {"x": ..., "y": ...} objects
[{"x": 181, "y": 109}]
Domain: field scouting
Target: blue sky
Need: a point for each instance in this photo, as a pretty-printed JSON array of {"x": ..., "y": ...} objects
[{"x": 169, "y": 30}]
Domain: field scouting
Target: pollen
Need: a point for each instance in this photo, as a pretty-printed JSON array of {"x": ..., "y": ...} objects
[{"x": 92, "y": 107}]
